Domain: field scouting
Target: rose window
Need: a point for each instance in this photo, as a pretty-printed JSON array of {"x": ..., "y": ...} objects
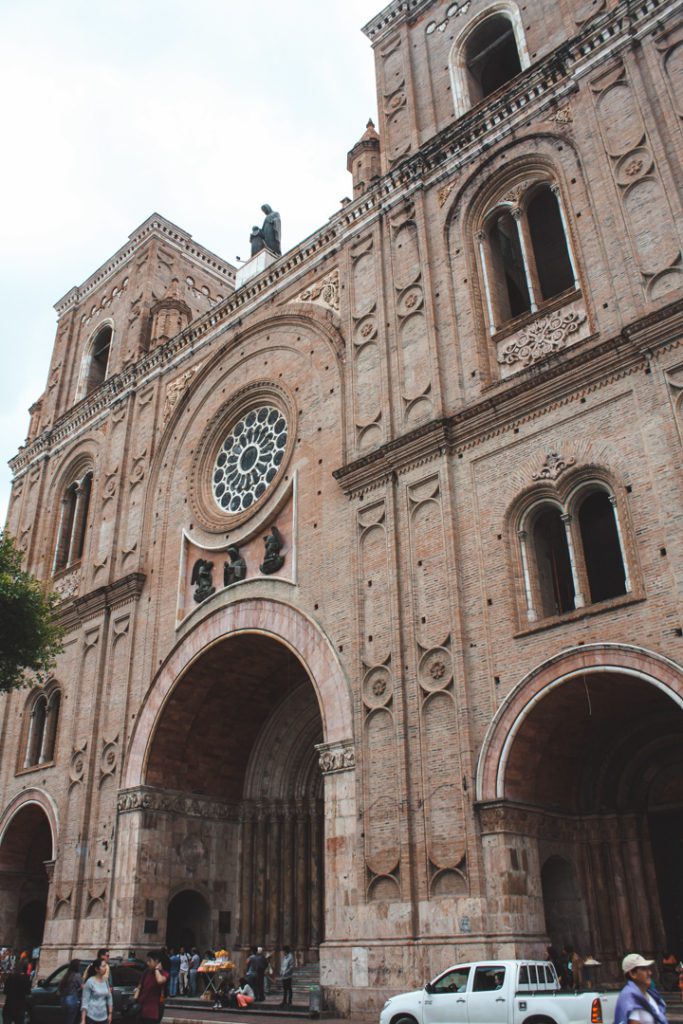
[{"x": 249, "y": 459}]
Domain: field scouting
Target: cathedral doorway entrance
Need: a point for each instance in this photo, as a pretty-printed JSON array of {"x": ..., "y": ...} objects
[
  {"x": 188, "y": 921},
  {"x": 25, "y": 858},
  {"x": 589, "y": 774},
  {"x": 234, "y": 756}
]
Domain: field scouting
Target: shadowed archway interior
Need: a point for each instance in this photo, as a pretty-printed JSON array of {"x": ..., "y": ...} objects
[
  {"x": 25, "y": 852},
  {"x": 601, "y": 758},
  {"x": 240, "y": 727}
]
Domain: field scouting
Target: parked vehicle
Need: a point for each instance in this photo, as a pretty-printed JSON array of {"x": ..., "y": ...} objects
[
  {"x": 499, "y": 992},
  {"x": 43, "y": 1004}
]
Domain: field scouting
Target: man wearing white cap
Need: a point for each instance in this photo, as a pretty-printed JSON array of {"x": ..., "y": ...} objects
[{"x": 638, "y": 1000}]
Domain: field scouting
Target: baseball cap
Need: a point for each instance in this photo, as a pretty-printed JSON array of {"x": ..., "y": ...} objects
[{"x": 633, "y": 960}]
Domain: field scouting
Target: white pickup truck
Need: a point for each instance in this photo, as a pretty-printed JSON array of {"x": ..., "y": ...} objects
[{"x": 499, "y": 992}]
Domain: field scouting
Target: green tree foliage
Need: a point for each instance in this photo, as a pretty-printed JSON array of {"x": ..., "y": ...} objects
[{"x": 30, "y": 635}]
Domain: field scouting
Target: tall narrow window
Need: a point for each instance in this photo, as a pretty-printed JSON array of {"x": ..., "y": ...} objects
[
  {"x": 47, "y": 752},
  {"x": 36, "y": 731},
  {"x": 601, "y": 547},
  {"x": 511, "y": 292},
  {"x": 551, "y": 255},
  {"x": 491, "y": 57},
  {"x": 553, "y": 564},
  {"x": 73, "y": 523},
  {"x": 98, "y": 359}
]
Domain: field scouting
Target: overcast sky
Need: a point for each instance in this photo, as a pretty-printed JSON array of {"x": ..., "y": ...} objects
[{"x": 200, "y": 111}]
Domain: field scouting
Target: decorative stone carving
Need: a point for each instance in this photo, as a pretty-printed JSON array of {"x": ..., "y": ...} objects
[
  {"x": 544, "y": 336},
  {"x": 554, "y": 465},
  {"x": 202, "y": 579},
  {"x": 77, "y": 763},
  {"x": 273, "y": 560},
  {"x": 445, "y": 191},
  {"x": 109, "y": 757},
  {"x": 120, "y": 627},
  {"x": 563, "y": 118},
  {"x": 191, "y": 852},
  {"x": 144, "y": 798},
  {"x": 110, "y": 484},
  {"x": 235, "y": 570},
  {"x": 174, "y": 391},
  {"x": 62, "y": 899},
  {"x": 67, "y": 586},
  {"x": 336, "y": 757},
  {"x": 377, "y": 686},
  {"x": 325, "y": 292},
  {"x": 435, "y": 669},
  {"x": 54, "y": 377},
  {"x": 137, "y": 472},
  {"x": 455, "y": 10}
]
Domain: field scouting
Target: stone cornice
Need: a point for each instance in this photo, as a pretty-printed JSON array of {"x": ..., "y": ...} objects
[
  {"x": 539, "y": 89},
  {"x": 170, "y": 234},
  {"x": 146, "y": 798},
  {"x": 524, "y": 396},
  {"x": 78, "y": 610},
  {"x": 393, "y": 14}
]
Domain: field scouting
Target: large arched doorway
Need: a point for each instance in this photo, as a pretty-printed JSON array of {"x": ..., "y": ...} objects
[
  {"x": 234, "y": 750},
  {"x": 188, "y": 921},
  {"x": 26, "y": 852},
  {"x": 595, "y": 758}
]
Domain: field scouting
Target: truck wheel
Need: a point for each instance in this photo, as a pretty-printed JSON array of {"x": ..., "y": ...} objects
[
  {"x": 539, "y": 1020},
  {"x": 404, "y": 1020}
]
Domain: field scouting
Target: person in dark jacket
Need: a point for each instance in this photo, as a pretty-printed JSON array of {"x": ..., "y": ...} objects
[{"x": 17, "y": 987}]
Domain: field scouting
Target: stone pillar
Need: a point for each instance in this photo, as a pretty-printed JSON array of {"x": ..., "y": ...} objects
[
  {"x": 579, "y": 600},
  {"x": 246, "y": 855},
  {"x": 525, "y": 245},
  {"x": 81, "y": 510},
  {"x": 274, "y": 889},
  {"x": 259, "y": 884},
  {"x": 316, "y": 873},
  {"x": 288, "y": 886},
  {"x": 300, "y": 862}
]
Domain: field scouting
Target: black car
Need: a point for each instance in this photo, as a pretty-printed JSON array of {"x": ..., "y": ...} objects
[{"x": 44, "y": 1006}]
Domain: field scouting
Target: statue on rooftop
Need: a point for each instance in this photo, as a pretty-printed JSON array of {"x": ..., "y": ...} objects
[{"x": 271, "y": 230}]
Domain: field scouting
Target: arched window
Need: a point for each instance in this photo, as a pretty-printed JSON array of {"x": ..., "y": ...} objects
[
  {"x": 525, "y": 252},
  {"x": 553, "y": 563},
  {"x": 601, "y": 547},
  {"x": 97, "y": 360},
  {"x": 41, "y": 735},
  {"x": 572, "y": 552},
  {"x": 491, "y": 57},
  {"x": 552, "y": 262},
  {"x": 488, "y": 53},
  {"x": 73, "y": 522}
]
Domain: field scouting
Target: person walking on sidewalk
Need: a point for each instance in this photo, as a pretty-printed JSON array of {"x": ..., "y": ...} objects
[
  {"x": 287, "y": 975},
  {"x": 639, "y": 1002}
]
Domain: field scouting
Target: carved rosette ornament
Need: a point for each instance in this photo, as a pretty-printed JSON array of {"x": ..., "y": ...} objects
[
  {"x": 554, "y": 465},
  {"x": 545, "y": 336},
  {"x": 336, "y": 757}
]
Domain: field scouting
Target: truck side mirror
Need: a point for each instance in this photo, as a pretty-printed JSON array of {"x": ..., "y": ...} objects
[{"x": 429, "y": 987}]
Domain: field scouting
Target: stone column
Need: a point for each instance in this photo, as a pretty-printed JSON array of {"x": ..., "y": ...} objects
[
  {"x": 288, "y": 886},
  {"x": 246, "y": 847},
  {"x": 524, "y": 244},
  {"x": 62, "y": 545},
  {"x": 528, "y": 593},
  {"x": 481, "y": 238},
  {"x": 622, "y": 546},
  {"x": 316, "y": 873},
  {"x": 300, "y": 862},
  {"x": 579, "y": 600},
  {"x": 274, "y": 890},
  {"x": 75, "y": 545},
  {"x": 259, "y": 886},
  {"x": 555, "y": 189}
]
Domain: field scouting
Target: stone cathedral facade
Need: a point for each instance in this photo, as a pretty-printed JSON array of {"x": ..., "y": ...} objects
[{"x": 370, "y": 553}]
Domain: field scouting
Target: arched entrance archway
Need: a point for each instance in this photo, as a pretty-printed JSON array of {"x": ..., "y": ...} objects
[
  {"x": 584, "y": 763},
  {"x": 237, "y": 737},
  {"x": 188, "y": 921},
  {"x": 26, "y": 854}
]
